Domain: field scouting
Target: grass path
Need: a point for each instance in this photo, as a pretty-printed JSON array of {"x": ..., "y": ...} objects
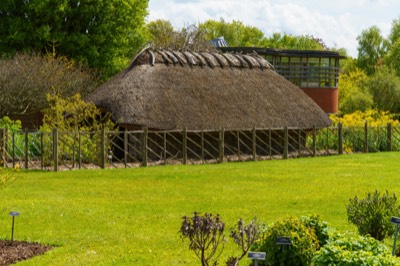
[{"x": 132, "y": 216}]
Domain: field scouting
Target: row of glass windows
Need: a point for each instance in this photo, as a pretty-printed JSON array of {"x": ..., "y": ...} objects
[{"x": 307, "y": 71}]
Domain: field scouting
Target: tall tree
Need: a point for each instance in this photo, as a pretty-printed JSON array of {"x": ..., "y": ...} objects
[
  {"x": 384, "y": 87},
  {"x": 302, "y": 42},
  {"x": 372, "y": 47},
  {"x": 235, "y": 32},
  {"x": 163, "y": 35},
  {"x": 103, "y": 33}
]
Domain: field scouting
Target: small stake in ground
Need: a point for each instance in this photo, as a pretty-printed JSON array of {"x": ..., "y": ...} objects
[
  {"x": 13, "y": 214},
  {"x": 396, "y": 221}
]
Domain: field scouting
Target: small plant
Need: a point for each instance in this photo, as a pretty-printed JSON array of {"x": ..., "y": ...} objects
[
  {"x": 206, "y": 236},
  {"x": 245, "y": 236},
  {"x": 353, "y": 250},
  {"x": 372, "y": 214},
  {"x": 303, "y": 238}
]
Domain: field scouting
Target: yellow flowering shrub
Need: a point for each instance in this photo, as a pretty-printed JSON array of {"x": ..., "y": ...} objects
[{"x": 373, "y": 117}]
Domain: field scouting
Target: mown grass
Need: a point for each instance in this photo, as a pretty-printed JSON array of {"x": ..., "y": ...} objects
[{"x": 132, "y": 216}]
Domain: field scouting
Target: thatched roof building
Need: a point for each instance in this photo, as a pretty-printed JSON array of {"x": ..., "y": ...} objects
[{"x": 165, "y": 90}]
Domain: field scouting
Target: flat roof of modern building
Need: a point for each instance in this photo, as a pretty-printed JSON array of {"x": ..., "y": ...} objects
[{"x": 284, "y": 52}]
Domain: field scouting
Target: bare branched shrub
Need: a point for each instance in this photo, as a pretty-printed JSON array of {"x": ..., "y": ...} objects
[{"x": 26, "y": 79}]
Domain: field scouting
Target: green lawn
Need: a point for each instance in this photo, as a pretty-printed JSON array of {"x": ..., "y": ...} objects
[{"x": 132, "y": 216}]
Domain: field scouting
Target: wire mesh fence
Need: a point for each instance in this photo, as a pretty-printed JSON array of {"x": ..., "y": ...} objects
[{"x": 126, "y": 149}]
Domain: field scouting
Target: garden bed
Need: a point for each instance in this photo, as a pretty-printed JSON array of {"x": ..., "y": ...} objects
[{"x": 12, "y": 252}]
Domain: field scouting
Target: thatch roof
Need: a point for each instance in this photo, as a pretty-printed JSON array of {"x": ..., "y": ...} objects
[{"x": 172, "y": 90}]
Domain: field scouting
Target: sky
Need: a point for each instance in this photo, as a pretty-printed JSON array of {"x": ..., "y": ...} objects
[{"x": 336, "y": 22}]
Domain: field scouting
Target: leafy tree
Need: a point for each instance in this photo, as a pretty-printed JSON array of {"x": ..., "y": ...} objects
[
  {"x": 80, "y": 122},
  {"x": 103, "y": 34},
  {"x": 26, "y": 79},
  {"x": 302, "y": 42},
  {"x": 372, "y": 47},
  {"x": 163, "y": 35},
  {"x": 395, "y": 31},
  {"x": 392, "y": 59},
  {"x": 73, "y": 114},
  {"x": 384, "y": 86},
  {"x": 235, "y": 33},
  {"x": 353, "y": 92},
  {"x": 161, "y": 32}
]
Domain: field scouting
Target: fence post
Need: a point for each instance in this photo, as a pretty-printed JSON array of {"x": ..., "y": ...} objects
[
  {"x": 3, "y": 147},
  {"x": 13, "y": 148},
  {"x": 79, "y": 150},
  {"x": 389, "y": 137},
  {"x": 125, "y": 148},
  {"x": 340, "y": 138},
  {"x": 202, "y": 146},
  {"x": 314, "y": 143},
  {"x": 41, "y": 150},
  {"x": 55, "y": 149},
  {"x": 184, "y": 146},
  {"x": 285, "y": 142},
  {"x": 26, "y": 149},
  {"x": 103, "y": 149},
  {"x": 221, "y": 145},
  {"x": 254, "y": 143},
  {"x": 144, "y": 152},
  {"x": 366, "y": 137}
]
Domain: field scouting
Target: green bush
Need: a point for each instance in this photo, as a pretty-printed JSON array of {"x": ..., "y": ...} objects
[
  {"x": 320, "y": 227},
  {"x": 304, "y": 242},
  {"x": 372, "y": 214},
  {"x": 353, "y": 250}
]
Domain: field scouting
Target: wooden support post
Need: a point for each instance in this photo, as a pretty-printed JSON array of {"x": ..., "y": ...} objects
[
  {"x": 103, "y": 149},
  {"x": 270, "y": 143},
  {"x": 389, "y": 137},
  {"x": 184, "y": 146},
  {"x": 26, "y": 149},
  {"x": 55, "y": 149},
  {"x": 340, "y": 138},
  {"x": 202, "y": 146},
  {"x": 285, "y": 143},
  {"x": 125, "y": 148},
  {"x": 144, "y": 151},
  {"x": 366, "y": 137},
  {"x": 79, "y": 150},
  {"x": 314, "y": 141},
  {"x": 254, "y": 143},
  {"x": 3, "y": 147},
  {"x": 42, "y": 150},
  {"x": 165, "y": 147},
  {"x": 221, "y": 145},
  {"x": 13, "y": 149}
]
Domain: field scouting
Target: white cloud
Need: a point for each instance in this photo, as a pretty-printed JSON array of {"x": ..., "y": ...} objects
[{"x": 336, "y": 22}]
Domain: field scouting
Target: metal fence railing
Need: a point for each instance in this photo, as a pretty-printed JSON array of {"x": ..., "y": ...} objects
[{"x": 124, "y": 149}]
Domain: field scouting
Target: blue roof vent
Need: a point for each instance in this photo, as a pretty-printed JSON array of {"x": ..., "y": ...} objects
[{"x": 219, "y": 42}]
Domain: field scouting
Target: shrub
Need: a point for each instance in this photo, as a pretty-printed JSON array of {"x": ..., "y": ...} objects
[
  {"x": 354, "y": 250},
  {"x": 245, "y": 236},
  {"x": 304, "y": 242},
  {"x": 372, "y": 214},
  {"x": 320, "y": 227},
  {"x": 206, "y": 236}
]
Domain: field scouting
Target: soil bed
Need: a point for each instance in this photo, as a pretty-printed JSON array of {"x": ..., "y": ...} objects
[{"x": 16, "y": 251}]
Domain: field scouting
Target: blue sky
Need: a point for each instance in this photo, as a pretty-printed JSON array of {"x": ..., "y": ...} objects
[{"x": 337, "y": 22}]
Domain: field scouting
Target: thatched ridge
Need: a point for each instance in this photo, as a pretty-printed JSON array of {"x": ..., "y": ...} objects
[{"x": 165, "y": 89}]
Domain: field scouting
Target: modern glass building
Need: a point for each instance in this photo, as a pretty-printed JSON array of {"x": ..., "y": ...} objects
[{"x": 315, "y": 72}]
